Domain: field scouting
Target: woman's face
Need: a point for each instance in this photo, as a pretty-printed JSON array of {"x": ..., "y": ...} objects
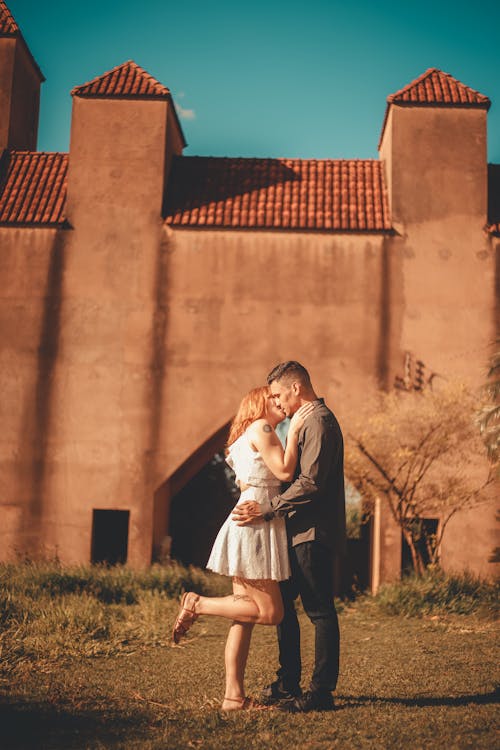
[{"x": 274, "y": 414}]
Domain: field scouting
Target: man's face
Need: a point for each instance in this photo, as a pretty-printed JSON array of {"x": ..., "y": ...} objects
[
  {"x": 274, "y": 414},
  {"x": 286, "y": 396}
]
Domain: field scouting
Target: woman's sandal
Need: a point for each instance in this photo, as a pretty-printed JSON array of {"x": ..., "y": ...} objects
[
  {"x": 245, "y": 704},
  {"x": 185, "y": 618}
]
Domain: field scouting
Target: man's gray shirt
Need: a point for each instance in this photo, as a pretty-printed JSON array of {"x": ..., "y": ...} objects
[{"x": 314, "y": 503}]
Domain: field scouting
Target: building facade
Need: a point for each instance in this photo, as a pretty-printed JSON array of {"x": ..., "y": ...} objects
[{"x": 145, "y": 291}]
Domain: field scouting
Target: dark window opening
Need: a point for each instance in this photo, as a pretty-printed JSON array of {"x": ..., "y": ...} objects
[
  {"x": 110, "y": 536},
  {"x": 425, "y": 534}
]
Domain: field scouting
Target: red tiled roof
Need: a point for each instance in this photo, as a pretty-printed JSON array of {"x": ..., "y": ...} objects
[
  {"x": 343, "y": 195},
  {"x": 435, "y": 88},
  {"x": 32, "y": 187},
  {"x": 127, "y": 80},
  {"x": 8, "y": 26}
]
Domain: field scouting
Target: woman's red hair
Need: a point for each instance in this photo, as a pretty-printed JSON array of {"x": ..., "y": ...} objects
[{"x": 253, "y": 406}]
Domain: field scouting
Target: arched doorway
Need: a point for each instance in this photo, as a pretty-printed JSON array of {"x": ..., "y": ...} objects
[
  {"x": 198, "y": 510},
  {"x": 191, "y": 505}
]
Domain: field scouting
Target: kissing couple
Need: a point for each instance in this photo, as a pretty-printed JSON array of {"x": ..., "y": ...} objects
[{"x": 280, "y": 541}]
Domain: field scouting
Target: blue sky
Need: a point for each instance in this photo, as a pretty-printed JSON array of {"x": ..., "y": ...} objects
[{"x": 280, "y": 79}]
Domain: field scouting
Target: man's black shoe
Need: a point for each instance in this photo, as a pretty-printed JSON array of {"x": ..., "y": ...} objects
[
  {"x": 312, "y": 700},
  {"x": 277, "y": 692}
]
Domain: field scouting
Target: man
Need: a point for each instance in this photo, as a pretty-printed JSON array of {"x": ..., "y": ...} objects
[{"x": 314, "y": 505}]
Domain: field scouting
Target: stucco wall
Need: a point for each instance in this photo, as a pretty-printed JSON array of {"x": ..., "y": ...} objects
[
  {"x": 437, "y": 165},
  {"x": 239, "y": 302},
  {"x": 114, "y": 382},
  {"x": 127, "y": 345},
  {"x": 7, "y": 57},
  {"x": 439, "y": 198},
  {"x": 107, "y": 366},
  {"x": 25, "y": 101},
  {"x": 30, "y": 268},
  {"x": 95, "y": 386},
  {"x": 436, "y": 171}
]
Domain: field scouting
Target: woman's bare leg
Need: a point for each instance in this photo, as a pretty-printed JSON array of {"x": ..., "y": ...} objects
[
  {"x": 235, "y": 658},
  {"x": 252, "y": 602},
  {"x": 257, "y": 602},
  {"x": 265, "y": 596}
]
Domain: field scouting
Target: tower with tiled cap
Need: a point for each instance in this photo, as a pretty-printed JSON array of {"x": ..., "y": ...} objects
[
  {"x": 433, "y": 145},
  {"x": 124, "y": 132},
  {"x": 20, "y": 80}
]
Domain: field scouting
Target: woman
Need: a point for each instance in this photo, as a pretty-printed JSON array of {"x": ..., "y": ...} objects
[{"x": 255, "y": 556}]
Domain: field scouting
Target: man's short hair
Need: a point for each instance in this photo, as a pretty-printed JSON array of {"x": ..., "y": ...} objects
[{"x": 288, "y": 371}]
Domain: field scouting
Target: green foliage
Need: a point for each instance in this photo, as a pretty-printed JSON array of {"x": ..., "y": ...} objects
[
  {"x": 111, "y": 585},
  {"x": 354, "y": 521},
  {"x": 404, "y": 682},
  {"x": 355, "y": 516},
  {"x": 48, "y": 612},
  {"x": 437, "y": 593},
  {"x": 422, "y": 455}
]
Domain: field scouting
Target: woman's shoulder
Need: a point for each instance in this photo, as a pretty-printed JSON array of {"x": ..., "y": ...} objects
[
  {"x": 258, "y": 431},
  {"x": 258, "y": 426}
]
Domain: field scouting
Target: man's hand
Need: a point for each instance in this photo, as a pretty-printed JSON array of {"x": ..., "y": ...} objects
[{"x": 247, "y": 513}]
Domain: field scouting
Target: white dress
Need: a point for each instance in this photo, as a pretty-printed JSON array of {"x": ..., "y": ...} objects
[{"x": 258, "y": 551}]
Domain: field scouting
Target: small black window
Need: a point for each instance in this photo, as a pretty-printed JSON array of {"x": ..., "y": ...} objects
[{"x": 110, "y": 536}]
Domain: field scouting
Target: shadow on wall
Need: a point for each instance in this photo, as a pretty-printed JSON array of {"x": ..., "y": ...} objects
[
  {"x": 38, "y": 405},
  {"x": 493, "y": 193},
  {"x": 158, "y": 363},
  {"x": 495, "y": 552}
]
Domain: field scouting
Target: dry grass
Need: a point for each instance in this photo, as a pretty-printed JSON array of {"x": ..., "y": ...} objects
[{"x": 417, "y": 682}]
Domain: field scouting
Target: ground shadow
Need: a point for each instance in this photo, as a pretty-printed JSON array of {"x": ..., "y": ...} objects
[
  {"x": 35, "y": 726},
  {"x": 478, "y": 699}
]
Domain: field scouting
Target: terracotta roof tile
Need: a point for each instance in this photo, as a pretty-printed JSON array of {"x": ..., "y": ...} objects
[
  {"x": 8, "y": 26},
  {"x": 337, "y": 195},
  {"x": 127, "y": 80},
  {"x": 32, "y": 187},
  {"x": 435, "y": 88},
  {"x": 341, "y": 195}
]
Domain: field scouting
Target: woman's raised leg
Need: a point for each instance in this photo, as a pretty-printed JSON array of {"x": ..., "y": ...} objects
[{"x": 257, "y": 602}]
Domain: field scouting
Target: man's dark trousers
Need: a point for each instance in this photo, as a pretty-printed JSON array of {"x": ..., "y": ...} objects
[{"x": 312, "y": 580}]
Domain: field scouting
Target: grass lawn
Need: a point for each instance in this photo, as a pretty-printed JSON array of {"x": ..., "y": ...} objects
[{"x": 405, "y": 682}]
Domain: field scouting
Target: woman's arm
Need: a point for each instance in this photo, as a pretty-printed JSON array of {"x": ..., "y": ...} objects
[{"x": 264, "y": 439}]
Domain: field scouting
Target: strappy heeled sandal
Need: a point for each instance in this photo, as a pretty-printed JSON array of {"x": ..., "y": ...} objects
[{"x": 185, "y": 618}]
